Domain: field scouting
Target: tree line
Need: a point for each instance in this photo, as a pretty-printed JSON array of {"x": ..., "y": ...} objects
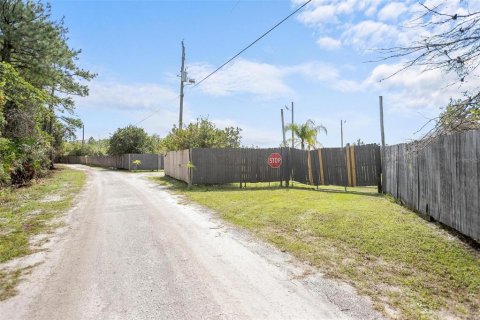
[
  {"x": 202, "y": 133},
  {"x": 39, "y": 77}
]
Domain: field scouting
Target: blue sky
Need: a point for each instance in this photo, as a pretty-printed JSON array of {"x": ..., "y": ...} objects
[{"x": 316, "y": 59}]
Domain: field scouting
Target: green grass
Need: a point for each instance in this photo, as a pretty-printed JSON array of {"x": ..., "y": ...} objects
[
  {"x": 28, "y": 211},
  {"x": 403, "y": 262}
]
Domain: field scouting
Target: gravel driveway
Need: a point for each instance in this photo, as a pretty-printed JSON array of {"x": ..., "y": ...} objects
[{"x": 134, "y": 251}]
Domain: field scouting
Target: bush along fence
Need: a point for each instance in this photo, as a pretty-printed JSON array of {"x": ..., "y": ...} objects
[
  {"x": 130, "y": 161},
  {"x": 351, "y": 166},
  {"x": 440, "y": 179}
]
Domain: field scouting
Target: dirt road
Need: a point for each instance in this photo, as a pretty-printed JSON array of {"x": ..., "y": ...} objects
[{"x": 134, "y": 252}]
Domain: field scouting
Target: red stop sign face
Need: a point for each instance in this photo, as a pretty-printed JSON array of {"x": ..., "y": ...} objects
[{"x": 275, "y": 160}]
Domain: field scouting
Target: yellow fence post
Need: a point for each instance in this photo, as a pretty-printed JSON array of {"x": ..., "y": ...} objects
[
  {"x": 354, "y": 171},
  {"x": 349, "y": 177}
]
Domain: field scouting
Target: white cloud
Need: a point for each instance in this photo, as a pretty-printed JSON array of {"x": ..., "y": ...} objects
[
  {"x": 242, "y": 76},
  {"x": 157, "y": 104},
  {"x": 392, "y": 11},
  {"x": 368, "y": 24},
  {"x": 252, "y": 136},
  {"x": 412, "y": 89},
  {"x": 325, "y": 12},
  {"x": 320, "y": 14},
  {"x": 415, "y": 87},
  {"x": 371, "y": 8},
  {"x": 314, "y": 69},
  {"x": 111, "y": 95},
  {"x": 370, "y": 34},
  {"x": 261, "y": 79},
  {"x": 329, "y": 43}
]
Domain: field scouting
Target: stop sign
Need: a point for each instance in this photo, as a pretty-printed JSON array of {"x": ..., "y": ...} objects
[{"x": 275, "y": 160}]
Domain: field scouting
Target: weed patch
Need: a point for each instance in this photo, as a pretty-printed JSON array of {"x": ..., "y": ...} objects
[{"x": 29, "y": 211}]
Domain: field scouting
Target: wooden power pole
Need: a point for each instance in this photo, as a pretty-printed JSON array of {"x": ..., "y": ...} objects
[
  {"x": 283, "y": 129},
  {"x": 341, "y": 132},
  {"x": 344, "y": 151},
  {"x": 183, "y": 77},
  {"x": 382, "y": 131},
  {"x": 293, "y": 134}
]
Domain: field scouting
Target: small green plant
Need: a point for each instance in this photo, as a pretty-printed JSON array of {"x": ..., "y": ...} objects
[{"x": 136, "y": 163}]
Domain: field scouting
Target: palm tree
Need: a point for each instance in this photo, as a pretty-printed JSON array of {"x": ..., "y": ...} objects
[{"x": 307, "y": 133}]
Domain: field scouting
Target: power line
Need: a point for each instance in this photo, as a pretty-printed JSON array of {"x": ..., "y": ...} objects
[
  {"x": 235, "y": 5},
  {"x": 233, "y": 58},
  {"x": 251, "y": 44},
  {"x": 155, "y": 111}
]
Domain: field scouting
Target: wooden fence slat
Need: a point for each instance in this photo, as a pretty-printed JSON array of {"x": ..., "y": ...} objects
[
  {"x": 353, "y": 169},
  {"x": 440, "y": 180},
  {"x": 147, "y": 161},
  {"x": 328, "y": 166}
]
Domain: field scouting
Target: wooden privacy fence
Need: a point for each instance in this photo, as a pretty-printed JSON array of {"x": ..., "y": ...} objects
[
  {"x": 177, "y": 165},
  {"x": 124, "y": 161},
  {"x": 440, "y": 179},
  {"x": 226, "y": 165},
  {"x": 352, "y": 166}
]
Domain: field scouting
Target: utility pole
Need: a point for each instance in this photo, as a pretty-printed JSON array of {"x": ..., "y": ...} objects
[
  {"x": 283, "y": 129},
  {"x": 83, "y": 135},
  {"x": 293, "y": 134},
  {"x": 341, "y": 130},
  {"x": 382, "y": 131},
  {"x": 183, "y": 78},
  {"x": 341, "y": 137}
]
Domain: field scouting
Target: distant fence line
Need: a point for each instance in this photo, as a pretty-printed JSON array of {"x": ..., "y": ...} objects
[
  {"x": 124, "y": 161},
  {"x": 440, "y": 179},
  {"x": 353, "y": 166}
]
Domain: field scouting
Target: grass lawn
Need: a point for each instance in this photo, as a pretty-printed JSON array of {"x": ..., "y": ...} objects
[
  {"x": 28, "y": 211},
  {"x": 411, "y": 268}
]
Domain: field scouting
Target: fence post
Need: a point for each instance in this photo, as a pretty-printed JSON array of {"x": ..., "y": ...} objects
[
  {"x": 190, "y": 168},
  {"x": 382, "y": 131},
  {"x": 353, "y": 166},
  {"x": 320, "y": 161},
  {"x": 378, "y": 161},
  {"x": 347, "y": 163},
  {"x": 286, "y": 172},
  {"x": 309, "y": 167}
]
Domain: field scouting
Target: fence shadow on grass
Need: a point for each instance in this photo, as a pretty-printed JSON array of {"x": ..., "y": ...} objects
[
  {"x": 354, "y": 192},
  {"x": 181, "y": 185}
]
